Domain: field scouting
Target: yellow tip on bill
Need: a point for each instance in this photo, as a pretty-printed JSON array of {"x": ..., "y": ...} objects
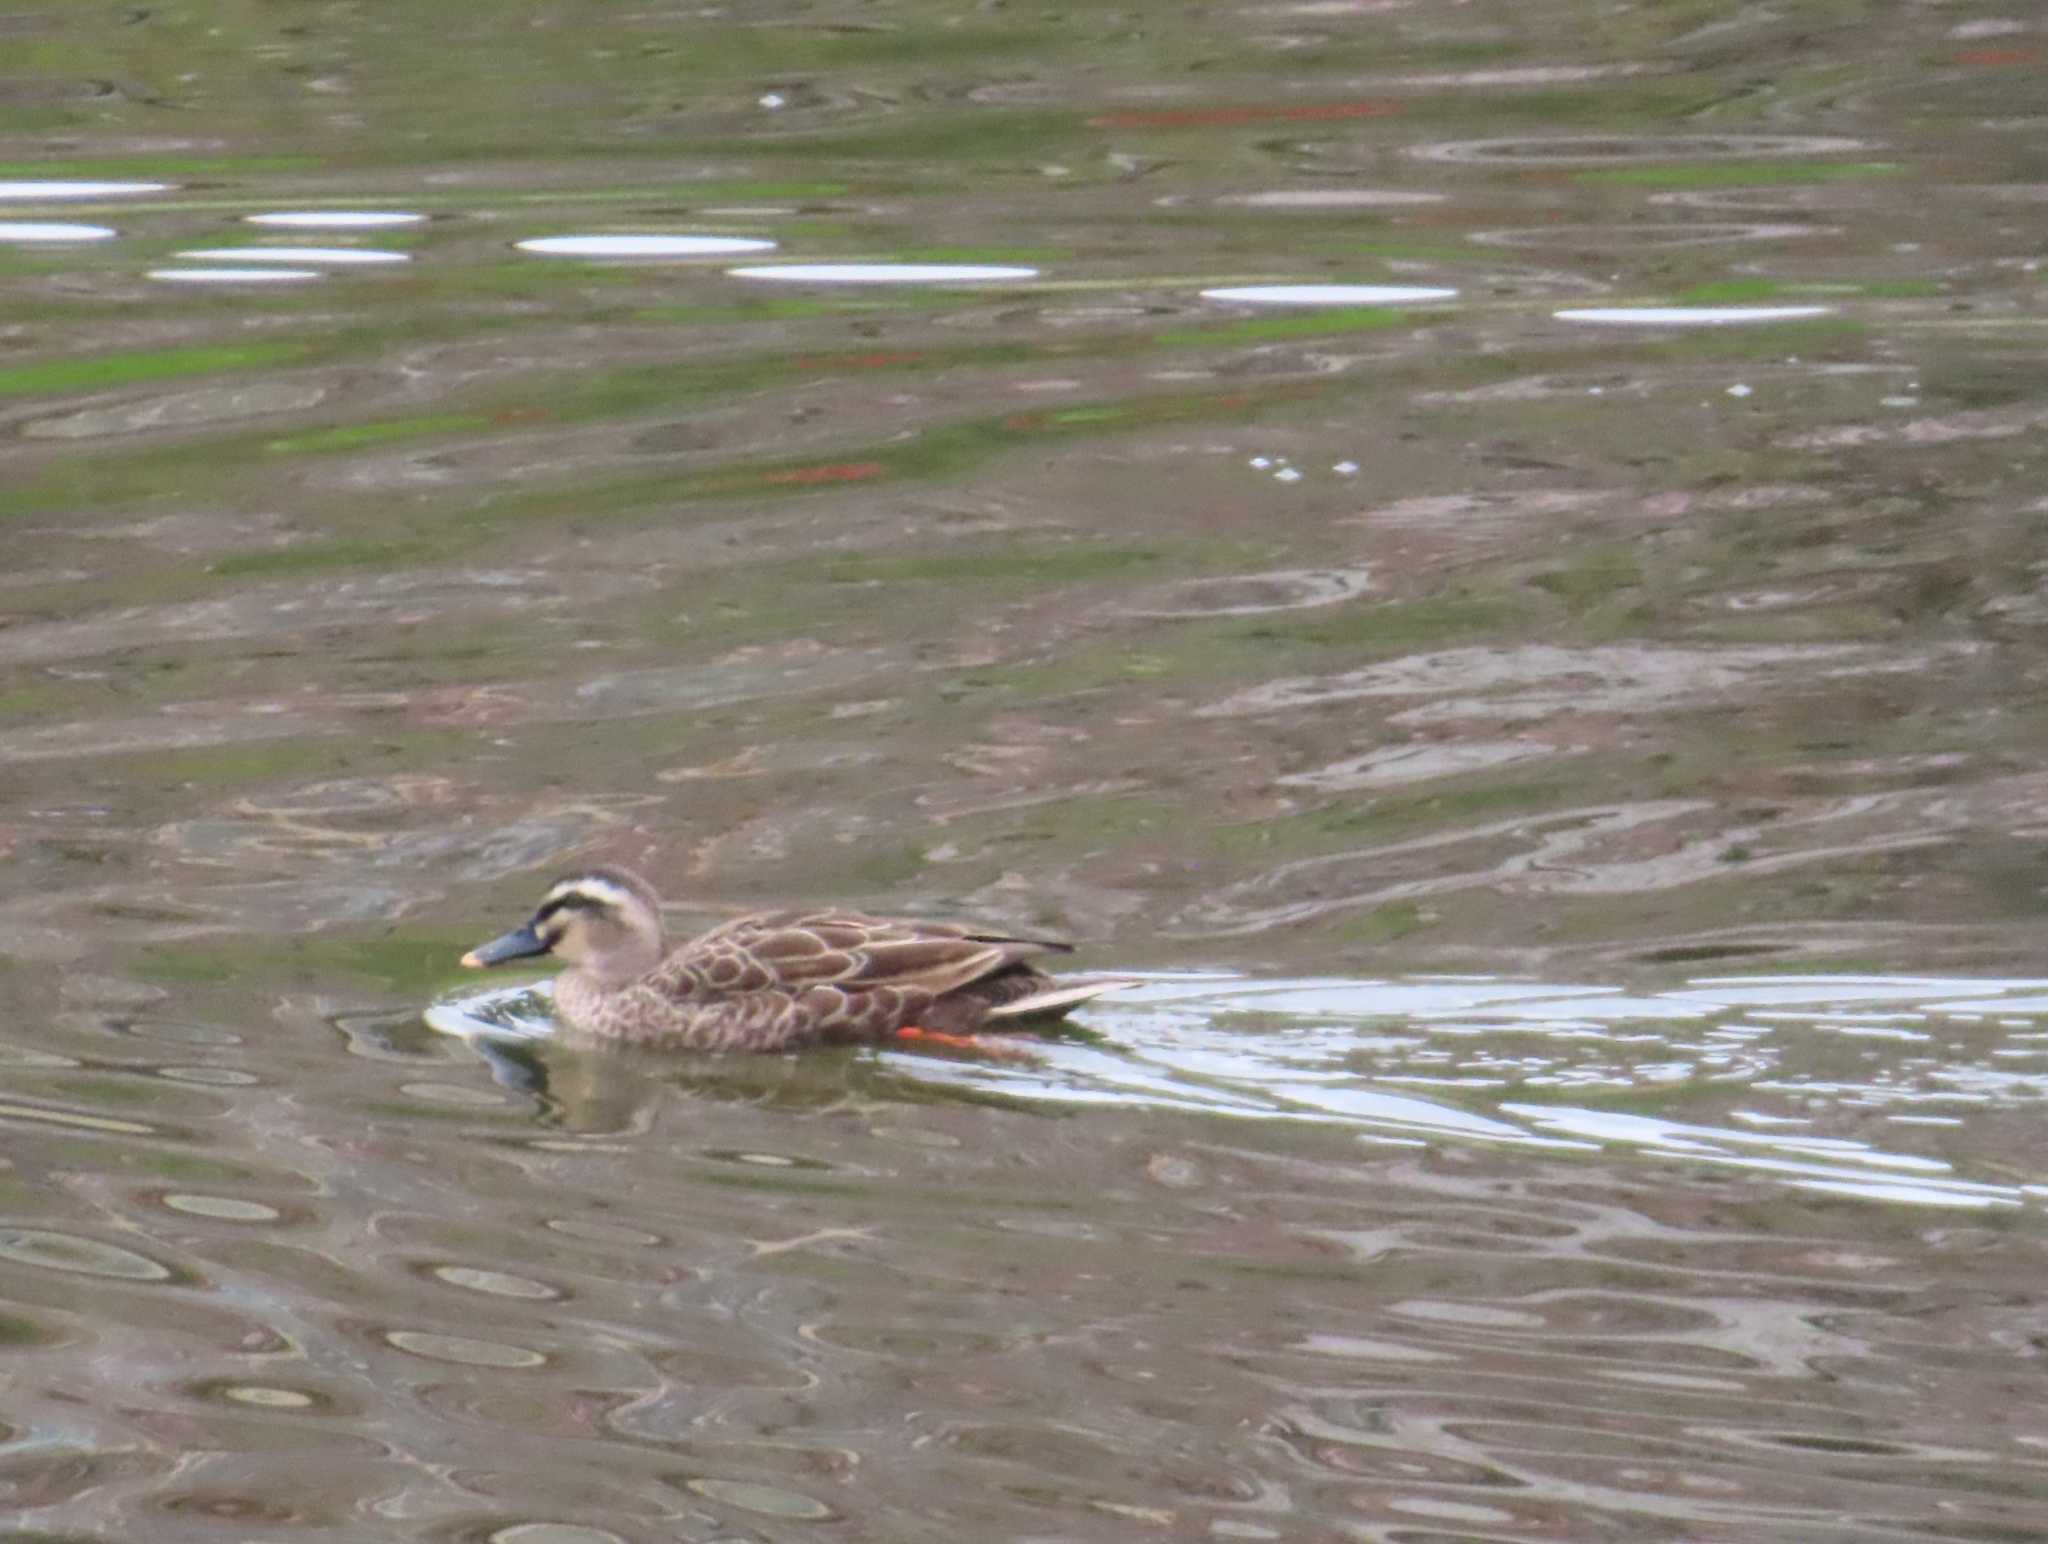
[{"x": 472, "y": 961}]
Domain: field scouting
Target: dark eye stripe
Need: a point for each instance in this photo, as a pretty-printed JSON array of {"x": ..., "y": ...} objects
[{"x": 575, "y": 900}]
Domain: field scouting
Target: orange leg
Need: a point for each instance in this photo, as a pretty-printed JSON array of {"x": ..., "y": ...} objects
[{"x": 938, "y": 1038}]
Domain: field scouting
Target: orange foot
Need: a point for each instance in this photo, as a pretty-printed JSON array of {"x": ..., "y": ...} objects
[{"x": 939, "y": 1038}]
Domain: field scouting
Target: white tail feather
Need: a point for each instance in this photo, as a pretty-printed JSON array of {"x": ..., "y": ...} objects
[{"x": 1055, "y": 998}]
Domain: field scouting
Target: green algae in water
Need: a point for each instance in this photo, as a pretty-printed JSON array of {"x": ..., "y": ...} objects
[
  {"x": 159, "y": 168},
  {"x": 1738, "y": 291},
  {"x": 1385, "y": 924},
  {"x": 1074, "y": 563},
  {"x": 1375, "y": 628},
  {"x": 17, "y": 1332},
  {"x": 100, "y": 371},
  {"x": 742, "y": 312},
  {"x": 963, "y": 139},
  {"x": 367, "y": 436},
  {"x": 1738, "y": 174},
  {"x": 1321, "y": 323},
  {"x": 1594, "y": 575},
  {"x": 414, "y": 964},
  {"x": 1036, "y": 255},
  {"x": 1764, "y": 339}
]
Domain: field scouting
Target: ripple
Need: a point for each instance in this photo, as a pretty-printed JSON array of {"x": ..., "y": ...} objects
[
  {"x": 1449, "y": 1511},
  {"x": 1647, "y": 236},
  {"x": 459, "y": 1094},
  {"x": 1690, "y": 316},
  {"x": 181, "y": 410},
  {"x": 227, "y": 1507},
  {"x": 601, "y": 1232},
  {"x": 75, "y": 1119},
  {"x": 884, "y": 273},
  {"x": 266, "y": 1397},
  {"x": 335, "y": 219},
  {"x": 494, "y": 1283},
  {"x": 1768, "y": 198},
  {"x": 531, "y": 1406},
  {"x": 1691, "y": 1382},
  {"x": 1240, "y": 595},
  {"x": 261, "y": 1396},
  {"x": 1390, "y": 765},
  {"x": 764, "y": 1160},
  {"x": 215, "y": 1077},
  {"x": 13, "y": 190},
  {"x": 1831, "y": 1166},
  {"x": 329, "y": 256},
  {"x": 1625, "y": 149},
  {"x": 231, "y": 275},
  {"x": 912, "y": 1136},
  {"x": 654, "y": 246},
  {"x": 51, "y": 231},
  {"x": 778, "y": 673},
  {"x": 1331, "y": 198},
  {"x": 1333, "y": 1050},
  {"x": 1540, "y": 679},
  {"x": 1342, "y": 1452},
  {"x": 906, "y": 1340},
  {"x": 1473, "y": 1315},
  {"x": 1362, "y": 1348},
  {"x": 350, "y": 796},
  {"x": 769, "y": 1500},
  {"x": 553, "y": 1533},
  {"x": 725, "y": 1370},
  {"x": 1328, "y": 294},
  {"x": 225, "y": 1208},
  {"x": 175, "y": 1032},
  {"x": 85, "y": 1256},
  {"x": 464, "y": 1349}
]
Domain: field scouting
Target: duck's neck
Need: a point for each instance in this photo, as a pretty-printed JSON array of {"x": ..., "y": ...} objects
[
  {"x": 589, "y": 991},
  {"x": 632, "y": 956},
  {"x": 586, "y": 1001}
]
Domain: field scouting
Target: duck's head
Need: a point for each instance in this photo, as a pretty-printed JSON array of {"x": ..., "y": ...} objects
[{"x": 605, "y": 921}]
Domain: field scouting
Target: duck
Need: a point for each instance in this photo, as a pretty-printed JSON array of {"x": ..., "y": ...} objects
[{"x": 778, "y": 980}]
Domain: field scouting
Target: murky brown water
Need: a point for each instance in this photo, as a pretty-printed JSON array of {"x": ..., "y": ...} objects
[{"x": 1570, "y": 769}]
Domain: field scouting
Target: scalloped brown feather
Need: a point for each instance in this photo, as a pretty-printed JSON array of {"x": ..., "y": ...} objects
[{"x": 783, "y": 980}]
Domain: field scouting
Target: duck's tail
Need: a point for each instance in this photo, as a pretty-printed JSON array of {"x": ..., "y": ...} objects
[{"x": 1056, "y": 997}]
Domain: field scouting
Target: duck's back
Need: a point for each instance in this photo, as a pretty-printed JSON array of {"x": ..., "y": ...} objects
[{"x": 785, "y": 979}]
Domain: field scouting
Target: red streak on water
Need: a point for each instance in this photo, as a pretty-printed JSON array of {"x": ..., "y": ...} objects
[
  {"x": 854, "y": 361},
  {"x": 840, "y": 471},
  {"x": 1999, "y": 56}
]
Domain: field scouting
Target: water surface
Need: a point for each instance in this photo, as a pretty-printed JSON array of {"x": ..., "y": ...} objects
[{"x": 1571, "y": 785}]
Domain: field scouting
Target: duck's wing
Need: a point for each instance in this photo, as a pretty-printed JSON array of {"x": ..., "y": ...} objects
[{"x": 793, "y": 951}]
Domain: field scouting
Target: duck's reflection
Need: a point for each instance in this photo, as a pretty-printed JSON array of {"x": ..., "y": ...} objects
[{"x": 612, "y": 1092}]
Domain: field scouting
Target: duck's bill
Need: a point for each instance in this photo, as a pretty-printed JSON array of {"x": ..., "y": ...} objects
[{"x": 515, "y": 945}]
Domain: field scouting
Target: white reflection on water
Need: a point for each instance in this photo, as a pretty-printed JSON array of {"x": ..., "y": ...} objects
[
  {"x": 52, "y": 231},
  {"x": 1689, "y": 316},
  {"x": 1621, "y": 149},
  {"x": 1755, "y": 1061},
  {"x": 338, "y": 256},
  {"x": 17, "y": 191},
  {"x": 335, "y": 219},
  {"x": 231, "y": 275},
  {"x": 884, "y": 273},
  {"x": 623, "y": 246},
  {"x": 1328, "y": 294},
  {"x": 1331, "y": 198}
]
